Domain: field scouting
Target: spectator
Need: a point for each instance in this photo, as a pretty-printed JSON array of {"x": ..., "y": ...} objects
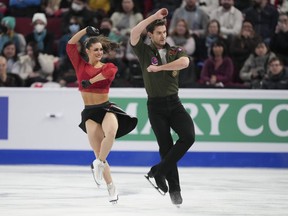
[
  {"x": 217, "y": 70},
  {"x": 281, "y": 5},
  {"x": 9, "y": 51},
  {"x": 102, "y": 7},
  {"x": 116, "y": 5},
  {"x": 7, "y": 33},
  {"x": 8, "y": 79},
  {"x": 74, "y": 26},
  {"x": 25, "y": 8},
  {"x": 79, "y": 9},
  {"x": 241, "y": 46},
  {"x": 3, "y": 9},
  {"x": 126, "y": 18},
  {"x": 279, "y": 41},
  {"x": 204, "y": 44},
  {"x": 256, "y": 66},
  {"x": 181, "y": 37},
  {"x": 171, "y": 6},
  {"x": 40, "y": 35},
  {"x": 106, "y": 28},
  {"x": 229, "y": 17},
  {"x": 242, "y": 5},
  {"x": 55, "y": 8},
  {"x": 264, "y": 17},
  {"x": 36, "y": 66},
  {"x": 208, "y": 5},
  {"x": 277, "y": 77},
  {"x": 196, "y": 18}
]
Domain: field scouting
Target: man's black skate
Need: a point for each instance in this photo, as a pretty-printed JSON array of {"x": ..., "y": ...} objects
[
  {"x": 160, "y": 181},
  {"x": 176, "y": 198},
  {"x": 160, "y": 190}
]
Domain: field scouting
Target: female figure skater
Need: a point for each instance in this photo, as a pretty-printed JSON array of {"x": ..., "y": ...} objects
[{"x": 102, "y": 120}]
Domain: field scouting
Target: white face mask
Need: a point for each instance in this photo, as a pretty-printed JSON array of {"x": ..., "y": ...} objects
[
  {"x": 77, "y": 7},
  {"x": 39, "y": 28},
  {"x": 74, "y": 28}
]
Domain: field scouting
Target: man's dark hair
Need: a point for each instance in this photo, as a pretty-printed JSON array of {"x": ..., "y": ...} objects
[
  {"x": 151, "y": 27},
  {"x": 273, "y": 59}
]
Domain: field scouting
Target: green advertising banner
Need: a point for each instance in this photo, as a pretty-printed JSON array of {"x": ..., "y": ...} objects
[{"x": 221, "y": 120}]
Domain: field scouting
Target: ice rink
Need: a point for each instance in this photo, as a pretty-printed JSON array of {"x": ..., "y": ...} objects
[{"x": 70, "y": 191}]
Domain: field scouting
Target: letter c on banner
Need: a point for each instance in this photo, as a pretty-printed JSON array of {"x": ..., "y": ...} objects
[
  {"x": 273, "y": 120},
  {"x": 241, "y": 120}
]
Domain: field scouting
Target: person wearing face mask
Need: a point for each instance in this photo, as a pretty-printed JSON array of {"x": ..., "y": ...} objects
[
  {"x": 66, "y": 72},
  {"x": 79, "y": 9},
  {"x": 229, "y": 17},
  {"x": 106, "y": 28},
  {"x": 40, "y": 35},
  {"x": 7, "y": 33}
]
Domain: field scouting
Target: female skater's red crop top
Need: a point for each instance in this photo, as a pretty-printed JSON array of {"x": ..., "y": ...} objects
[{"x": 85, "y": 71}]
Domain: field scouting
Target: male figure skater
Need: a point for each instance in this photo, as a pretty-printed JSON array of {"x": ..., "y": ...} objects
[{"x": 160, "y": 66}]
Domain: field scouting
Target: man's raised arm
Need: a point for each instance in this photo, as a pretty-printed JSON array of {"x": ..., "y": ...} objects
[{"x": 136, "y": 32}]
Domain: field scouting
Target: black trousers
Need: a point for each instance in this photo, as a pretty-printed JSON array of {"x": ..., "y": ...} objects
[{"x": 165, "y": 113}]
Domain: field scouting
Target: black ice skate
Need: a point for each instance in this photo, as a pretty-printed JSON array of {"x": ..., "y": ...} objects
[
  {"x": 176, "y": 198},
  {"x": 162, "y": 192}
]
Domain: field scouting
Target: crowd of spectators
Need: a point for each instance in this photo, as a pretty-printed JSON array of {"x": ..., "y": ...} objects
[{"x": 232, "y": 44}]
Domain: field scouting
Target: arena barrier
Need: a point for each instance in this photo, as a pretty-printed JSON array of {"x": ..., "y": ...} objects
[{"x": 234, "y": 128}]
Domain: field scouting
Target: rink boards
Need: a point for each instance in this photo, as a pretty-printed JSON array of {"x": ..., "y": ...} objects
[{"x": 234, "y": 128}]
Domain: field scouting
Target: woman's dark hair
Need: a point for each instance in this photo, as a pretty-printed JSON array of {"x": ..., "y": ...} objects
[
  {"x": 151, "y": 27},
  {"x": 8, "y": 43},
  {"x": 261, "y": 42},
  {"x": 273, "y": 59},
  {"x": 35, "y": 50},
  {"x": 106, "y": 43},
  {"x": 221, "y": 43}
]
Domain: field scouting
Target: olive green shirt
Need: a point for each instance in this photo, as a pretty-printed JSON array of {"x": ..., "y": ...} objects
[{"x": 162, "y": 83}]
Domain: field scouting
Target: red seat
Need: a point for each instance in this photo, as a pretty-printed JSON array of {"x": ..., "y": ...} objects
[{"x": 24, "y": 26}]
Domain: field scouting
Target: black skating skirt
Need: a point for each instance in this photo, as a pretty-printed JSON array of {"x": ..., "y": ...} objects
[{"x": 126, "y": 123}]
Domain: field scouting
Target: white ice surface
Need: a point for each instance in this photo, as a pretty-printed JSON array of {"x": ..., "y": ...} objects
[{"x": 70, "y": 191}]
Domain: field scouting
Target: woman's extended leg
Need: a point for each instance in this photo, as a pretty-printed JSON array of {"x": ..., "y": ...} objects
[
  {"x": 109, "y": 127},
  {"x": 96, "y": 136}
]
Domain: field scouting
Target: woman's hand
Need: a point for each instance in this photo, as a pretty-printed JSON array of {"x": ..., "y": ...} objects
[
  {"x": 91, "y": 31},
  {"x": 213, "y": 80},
  {"x": 85, "y": 83}
]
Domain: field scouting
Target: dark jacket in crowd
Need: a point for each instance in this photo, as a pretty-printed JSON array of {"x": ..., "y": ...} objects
[{"x": 279, "y": 81}]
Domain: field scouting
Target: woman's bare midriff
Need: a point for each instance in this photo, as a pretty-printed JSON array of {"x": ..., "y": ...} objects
[{"x": 94, "y": 98}]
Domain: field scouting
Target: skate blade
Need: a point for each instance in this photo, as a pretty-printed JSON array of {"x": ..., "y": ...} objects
[
  {"x": 155, "y": 186},
  {"x": 114, "y": 202}
]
